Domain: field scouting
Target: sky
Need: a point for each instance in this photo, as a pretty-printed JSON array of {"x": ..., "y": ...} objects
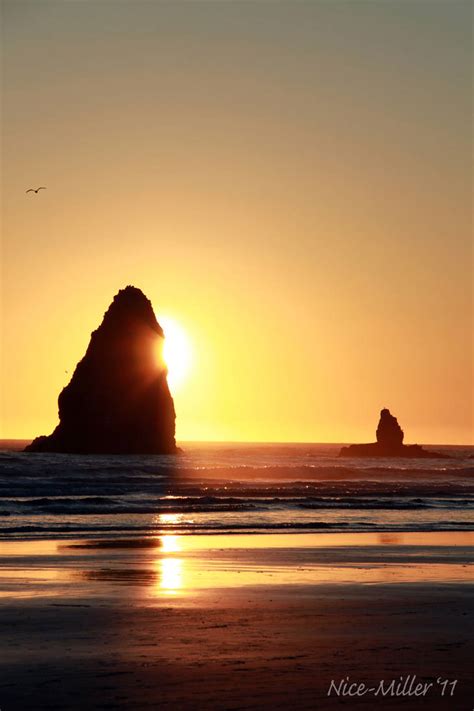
[{"x": 290, "y": 182}]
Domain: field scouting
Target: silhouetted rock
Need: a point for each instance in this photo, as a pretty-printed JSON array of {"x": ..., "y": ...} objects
[
  {"x": 117, "y": 401},
  {"x": 389, "y": 433},
  {"x": 389, "y": 443}
]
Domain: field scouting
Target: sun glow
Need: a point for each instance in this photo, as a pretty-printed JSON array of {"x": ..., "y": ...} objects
[{"x": 176, "y": 352}]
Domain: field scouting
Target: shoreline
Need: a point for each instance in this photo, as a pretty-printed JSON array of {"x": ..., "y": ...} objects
[
  {"x": 180, "y": 567},
  {"x": 466, "y": 529},
  {"x": 342, "y": 538}
]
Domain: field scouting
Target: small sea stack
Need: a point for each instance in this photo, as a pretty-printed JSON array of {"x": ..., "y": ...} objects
[
  {"x": 389, "y": 443},
  {"x": 118, "y": 400}
]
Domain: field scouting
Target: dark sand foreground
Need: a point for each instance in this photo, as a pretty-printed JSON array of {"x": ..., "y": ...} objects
[{"x": 238, "y": 622}]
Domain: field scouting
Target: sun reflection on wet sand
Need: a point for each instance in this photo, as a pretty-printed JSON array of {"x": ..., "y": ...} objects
[
  {"x": 170, "y": 544},
  {"x": 169, "y": 568},
  {"x": 183, "y": 566},
  {"x": 171, "y": 576}
]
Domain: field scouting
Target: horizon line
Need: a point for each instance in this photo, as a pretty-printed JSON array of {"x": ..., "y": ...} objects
[{"x": 265, "y": 442}]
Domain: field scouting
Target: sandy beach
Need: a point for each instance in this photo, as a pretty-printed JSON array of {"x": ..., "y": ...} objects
[{"x": 234, "y": 622}]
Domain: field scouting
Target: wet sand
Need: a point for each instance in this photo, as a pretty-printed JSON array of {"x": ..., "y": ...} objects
[{"x": 233, "y": 622}]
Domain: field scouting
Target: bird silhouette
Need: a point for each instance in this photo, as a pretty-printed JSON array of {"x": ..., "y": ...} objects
[{"x": 35, "y": 190}]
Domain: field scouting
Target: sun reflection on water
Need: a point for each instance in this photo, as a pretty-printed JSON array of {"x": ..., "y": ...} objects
[{"x": 167, "y": 518}]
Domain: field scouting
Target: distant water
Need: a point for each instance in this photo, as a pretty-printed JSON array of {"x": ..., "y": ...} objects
[{"x": 225, "y": 488}]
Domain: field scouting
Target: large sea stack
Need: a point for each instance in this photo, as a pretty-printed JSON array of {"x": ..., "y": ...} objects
[
  {"x": 117, "y": 401},
  {"x": 389, "y": 443}
]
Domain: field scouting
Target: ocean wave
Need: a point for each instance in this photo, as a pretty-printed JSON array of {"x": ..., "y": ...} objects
[
  {"x": 78, "y": 531},
  {"x": 96, "y": 505},
  {"x": 231, "y": 489}
]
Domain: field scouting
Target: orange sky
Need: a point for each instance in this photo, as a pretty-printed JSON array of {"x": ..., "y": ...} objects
[{"x": 288, "y": 181}]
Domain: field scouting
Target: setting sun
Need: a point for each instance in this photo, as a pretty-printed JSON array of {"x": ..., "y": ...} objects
[{"x": 176, "y": 351}]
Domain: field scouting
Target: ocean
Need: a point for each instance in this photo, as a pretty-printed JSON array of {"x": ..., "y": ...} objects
[{"x": 232, "y": 488}]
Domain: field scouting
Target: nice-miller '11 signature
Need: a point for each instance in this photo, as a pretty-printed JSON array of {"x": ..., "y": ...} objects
[{"x": 401, "y": 686}]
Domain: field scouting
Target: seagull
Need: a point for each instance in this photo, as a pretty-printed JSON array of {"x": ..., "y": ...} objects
[{"x": 33, "y": 190}]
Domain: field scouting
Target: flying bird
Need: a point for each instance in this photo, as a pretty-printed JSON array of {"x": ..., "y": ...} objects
[{"x": 35, "y": 190}]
